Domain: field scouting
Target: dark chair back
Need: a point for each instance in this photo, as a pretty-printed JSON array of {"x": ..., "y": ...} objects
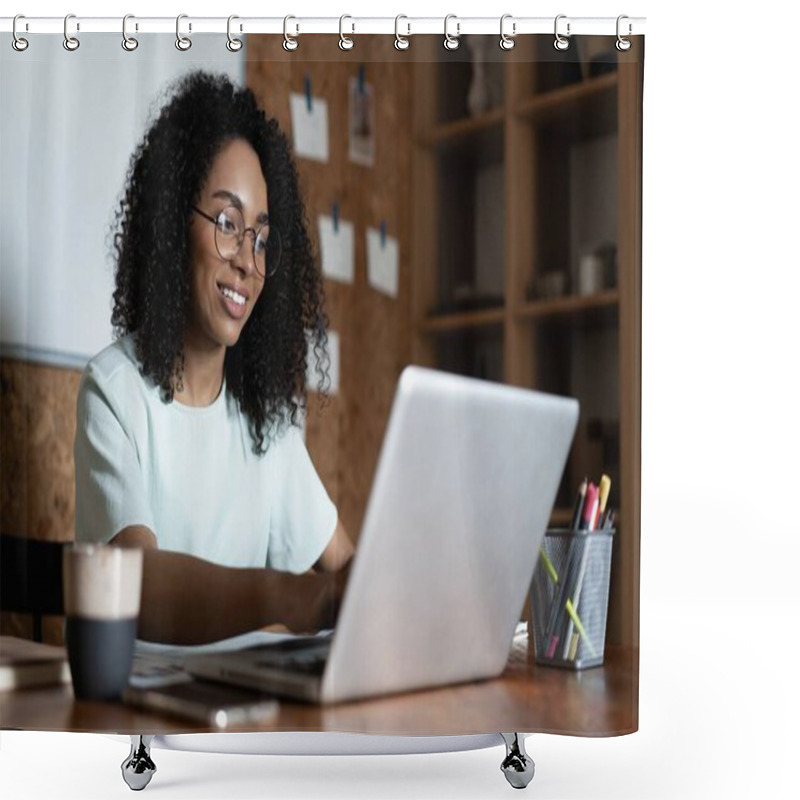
[{"x": 31, "y": 579}]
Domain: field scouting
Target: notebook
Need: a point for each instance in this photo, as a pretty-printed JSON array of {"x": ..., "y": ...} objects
[{"x": 462, "y": 494}]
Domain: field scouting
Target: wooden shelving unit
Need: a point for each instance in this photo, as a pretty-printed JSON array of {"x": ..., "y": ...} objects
[{"x": 498, "y": 203}]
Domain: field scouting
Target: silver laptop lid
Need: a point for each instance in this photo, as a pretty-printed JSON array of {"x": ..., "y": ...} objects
[{"x": 465, "y": 484}]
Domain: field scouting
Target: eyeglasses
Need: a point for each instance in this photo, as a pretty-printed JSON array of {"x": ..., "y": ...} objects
[{"x": 229, "y": 233}]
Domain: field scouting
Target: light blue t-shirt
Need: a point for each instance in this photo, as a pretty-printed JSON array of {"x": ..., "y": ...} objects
[{"x": 190, "y": 474}]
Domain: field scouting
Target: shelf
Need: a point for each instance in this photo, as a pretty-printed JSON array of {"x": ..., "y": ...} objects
[
  {"x": 462, "y": 321},
  {"x": 568, "y": 305},
  {"x": 583, "y": 110},
  {"x": 477, "y": 138}
]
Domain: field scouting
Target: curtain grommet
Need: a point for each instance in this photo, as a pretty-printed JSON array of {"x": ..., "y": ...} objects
[
  {"x": 183, "y": 43},
  {"x": 451, "y": 42},
  {"x": 623, "y": 44},
  {"x": 71, "y": 43},
  {"x": 345, "y": 42},
  {"x": 290, "y": 43},
  {"x": 129, "y": 43},
  {"x": 401, "y": 42},
  {"x": 507, "y": 42},
  {"x": 561, "y": 43},
  {"x": 17, "y": 42},
  {"x": 233, "y": 44}
]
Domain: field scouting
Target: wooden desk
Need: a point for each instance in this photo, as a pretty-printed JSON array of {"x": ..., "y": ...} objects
[{"x": 602, "y": 701}]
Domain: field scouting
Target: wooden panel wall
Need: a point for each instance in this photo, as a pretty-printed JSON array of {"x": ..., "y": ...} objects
[
  {"x": 344, "y": 437},
  {"x": 37, "y": 474}
]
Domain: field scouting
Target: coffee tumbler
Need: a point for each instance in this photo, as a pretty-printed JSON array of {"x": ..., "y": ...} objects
[{"x": 102, "y": 587}]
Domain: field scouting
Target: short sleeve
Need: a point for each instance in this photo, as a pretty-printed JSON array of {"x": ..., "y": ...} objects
[
  {"x": 303, "y": 517},
  {"x": 109, "y": 488}
]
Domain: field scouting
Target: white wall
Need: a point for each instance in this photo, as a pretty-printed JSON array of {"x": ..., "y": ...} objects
[{"x": 70, "y": 122}]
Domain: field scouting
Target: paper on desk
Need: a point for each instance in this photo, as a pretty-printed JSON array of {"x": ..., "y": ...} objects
[
  {"x": 382, "y": 262},
  {"x": 310, "y": 128},
  {"x": 338, "y": 251},
  {"x": 157, "y": 665}
]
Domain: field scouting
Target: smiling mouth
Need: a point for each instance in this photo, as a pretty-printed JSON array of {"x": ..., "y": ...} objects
[
  {"x": 234, "y": 303},
  {"x": 233, "y": 296}
]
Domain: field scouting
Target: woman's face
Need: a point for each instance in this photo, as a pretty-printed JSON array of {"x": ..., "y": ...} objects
[{"x": 224, "y": 292}]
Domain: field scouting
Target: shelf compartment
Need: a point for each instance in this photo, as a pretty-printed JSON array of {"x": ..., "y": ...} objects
[
  {"x": 580, "y": 111},
  {"x": 457, "y": 74},
  {"x": 475, "y": 352},
  {"x": 470, "y": 245}
]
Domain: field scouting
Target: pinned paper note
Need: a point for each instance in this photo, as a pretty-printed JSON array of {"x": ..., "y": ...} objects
[
  {"x": 310, "y": 126},
  {"x": 337, "y": 248},
  {"x": 382, "y": 261},
  {"x": 362, "y": 121},
  {"x": 313, "y": 368}
]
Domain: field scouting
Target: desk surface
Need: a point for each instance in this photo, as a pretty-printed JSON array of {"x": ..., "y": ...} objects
[{"x": 602, "y": 701}]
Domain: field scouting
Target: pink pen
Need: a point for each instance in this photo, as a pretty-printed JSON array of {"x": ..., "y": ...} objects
[{"x": 590, "y": 508}]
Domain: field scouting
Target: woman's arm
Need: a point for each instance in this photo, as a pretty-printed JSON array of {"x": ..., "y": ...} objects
[
  {"x": 337, "y": 553},
  {"x": 186, "y": 600}
]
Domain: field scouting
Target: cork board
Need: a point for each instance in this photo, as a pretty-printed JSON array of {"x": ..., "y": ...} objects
[{"x": 37, "y": 474}]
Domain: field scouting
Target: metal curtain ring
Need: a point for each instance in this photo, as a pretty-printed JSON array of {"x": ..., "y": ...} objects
[
  {"x": 233, "y": 44},
  {"x": 128, "y": 42},
  {"x": 561, "y": 42},
  {"x": 70, "y": 42},
  {"x": 181, "y": 42},
  {"x": 18, "y": 43},
  {"x": 507, "y": 42},
  {"x": 345, "y": 42},
  {"x": 451, "y": 42},
  {"x": 623, "y": 44},
  {"x": 400, "y": 42},
  {"x": 289, "y": 42}
]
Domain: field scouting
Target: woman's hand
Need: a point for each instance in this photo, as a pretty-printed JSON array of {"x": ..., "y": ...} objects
[{"x": 316, "y": 601}]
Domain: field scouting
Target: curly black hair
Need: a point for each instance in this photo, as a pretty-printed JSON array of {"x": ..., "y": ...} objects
[{"x": 266, "y": 370}]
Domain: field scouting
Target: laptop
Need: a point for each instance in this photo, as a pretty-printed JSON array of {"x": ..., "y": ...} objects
[{"x": 462, "y": 495}]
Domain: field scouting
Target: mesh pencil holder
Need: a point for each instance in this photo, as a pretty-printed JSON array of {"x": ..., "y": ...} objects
[{"x": 569, "y": 598}]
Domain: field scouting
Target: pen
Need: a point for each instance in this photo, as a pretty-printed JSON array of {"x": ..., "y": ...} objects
[
  {"x": 604, "y": 489},
  {"x": 589, "y": 508},
  {"x": 579, "y": 500}
]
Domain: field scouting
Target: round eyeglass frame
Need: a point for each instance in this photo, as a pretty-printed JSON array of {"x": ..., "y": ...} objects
[{"x": 274, "y": 233}]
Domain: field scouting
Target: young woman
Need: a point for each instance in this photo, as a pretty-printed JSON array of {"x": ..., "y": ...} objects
[{"x": 187, "y": 442}]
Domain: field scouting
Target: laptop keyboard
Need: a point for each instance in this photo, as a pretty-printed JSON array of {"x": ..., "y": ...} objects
[{"x": 308, "y": 656}]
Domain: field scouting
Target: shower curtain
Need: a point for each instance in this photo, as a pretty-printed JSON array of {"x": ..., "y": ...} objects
[{"x": 473, "y": 209}]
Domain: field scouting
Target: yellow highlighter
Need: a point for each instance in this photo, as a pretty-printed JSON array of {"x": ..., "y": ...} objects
[{"x": 603, "y": 490}]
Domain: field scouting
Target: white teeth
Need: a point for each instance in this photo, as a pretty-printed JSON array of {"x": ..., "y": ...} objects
[{"x": 235, "y": 296}]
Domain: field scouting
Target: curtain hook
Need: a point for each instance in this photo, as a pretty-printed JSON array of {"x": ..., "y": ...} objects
[
  {"x": 623, "y": 44},
  {"x": 18, "y": 43},
  {"x": 128, "y": 42},
  {"x": 400, "y": 42},
  {"x": 70, "y": 42},
  {"x": 345, "y": 42},
  {"x": 290, "y": 43},
  {"x": 181, "y": 42},
  {"x": 561, "y": 42},
  {"x": 507, "y": 42},
  {"x": 233, "y": 44},
  {"x": 451, "y": 42}
]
